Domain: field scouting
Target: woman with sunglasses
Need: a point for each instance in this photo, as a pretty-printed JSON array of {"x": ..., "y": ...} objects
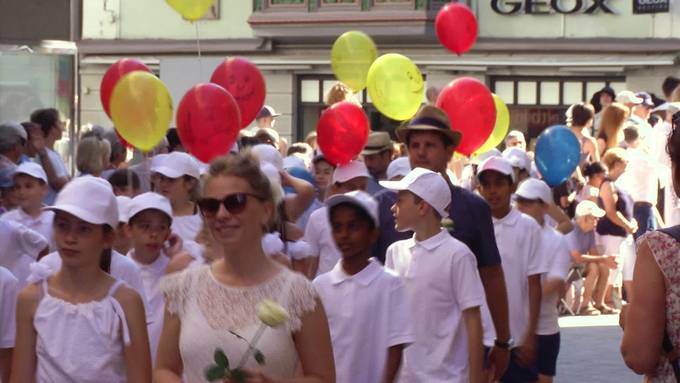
[{"x": 204, "y": 304}]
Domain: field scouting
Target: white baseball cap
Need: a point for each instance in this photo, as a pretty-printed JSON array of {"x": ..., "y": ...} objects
[
  {"x": 498, "y": 164},
  {"x": 533, "y": 189},
  {"x": 89, "y": 198},
  {"x": 175, "y": 165},
  {"x": 518, "y": 158},
  {"x": 426, "y": 184},
  {"x": 585, "y": 208},
  {"x": 628, "y": 97},
  {"x": 353, "y": 169},
  {"x": 124, "y": 203},
  {"x": 358, "y": 198},
  {"x": 268, "y": 153},
  {"x": 147, "y": 201},
  {"x": 478, "y": 159},
  {"x": 398, "y": 167},
  {"x": 31, "y": 169}
]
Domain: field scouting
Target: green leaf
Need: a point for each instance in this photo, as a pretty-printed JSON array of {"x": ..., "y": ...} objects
[
  {"x": 214, "y": 373},
  {"x": 221, "y": 359},
  {"x": 259, "y": 357},
  {"x": 238, "y": 376}
]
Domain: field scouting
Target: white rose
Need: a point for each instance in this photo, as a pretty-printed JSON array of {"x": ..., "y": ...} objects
[{"x": 271, "y": 313}]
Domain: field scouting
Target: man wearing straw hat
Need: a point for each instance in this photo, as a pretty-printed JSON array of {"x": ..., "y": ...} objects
[{"x": 430, "y": 142}]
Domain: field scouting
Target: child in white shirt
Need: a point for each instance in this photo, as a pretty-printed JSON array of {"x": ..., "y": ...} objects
[
  {"x": 30, "y": 187},
  {"x": 518, "y": 238},
  {"x": 9, "y": 287},
  {"x": 366, "y": 305},
  {"x": 20, "y": 246},
  {"x": 442, "y": 283},
  {"x": 149, "y": 229},
  {"x": 176, "y": 177},
  {"x": 534, "y": 198}
]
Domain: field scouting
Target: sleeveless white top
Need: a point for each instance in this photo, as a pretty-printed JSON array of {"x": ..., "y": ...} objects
[
  {"x": 208, "y": 310},
  {"x": 80, "y": 342}
]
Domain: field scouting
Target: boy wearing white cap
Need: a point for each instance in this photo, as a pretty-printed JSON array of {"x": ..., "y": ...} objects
[
  {"x": 533, "y": 199},
  {"x": 325, "y": 254},
  {"x": 150, "y": 219},
  {"x": 30, "y": 186},
  {"x": 581, "y": 242},
  {"x": 442, "y": 283},
  {"x": 370, "y": 330},
  {"x": 518, "y": 238},
  {"x": 177, "y": 180}
]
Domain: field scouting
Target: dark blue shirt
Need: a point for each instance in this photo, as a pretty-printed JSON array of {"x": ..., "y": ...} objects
[{"x": 472, "y": 225}]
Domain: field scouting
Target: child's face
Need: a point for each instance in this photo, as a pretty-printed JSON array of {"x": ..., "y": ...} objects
[
  {"x": 587, "y": 223},
  {"x": 323, "y": 172},
  {"x": 79, "y": 242},
  {"x": 406, "y": 211},
  {"x": 496, "y": 189},
  {"x": 148, "y": 230},
  {"x": 352, "y": 234},
  {"x": 534, "y": 209},
  {"x": 29, "y": 191},
  {"x": 174, "y": 189}
]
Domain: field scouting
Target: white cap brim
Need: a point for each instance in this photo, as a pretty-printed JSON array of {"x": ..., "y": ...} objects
[
  {"x": 168, "y": 172},
  {"x": 343, "y": 198},
  {"x": 82, "y": 214}
]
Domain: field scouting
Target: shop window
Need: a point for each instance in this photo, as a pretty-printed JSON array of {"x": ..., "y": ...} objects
[
  {"x": 526, "y": 92},
  {"x": 592, "y": 87},
  {"x": 550, "y": 93},
  {"x": 506, "y": 91},
  {"x": 309, "y": 91},
  {"x": 572, "y": 92}
]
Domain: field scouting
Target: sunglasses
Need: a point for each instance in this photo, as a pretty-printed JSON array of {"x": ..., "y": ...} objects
[{"x": 233, "y": 203}]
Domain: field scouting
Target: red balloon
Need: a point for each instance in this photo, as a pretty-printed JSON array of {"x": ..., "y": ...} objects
[
  {"x": 456, "y": 28},
  {"x": 208, "y": 121},
  {"x": 117, "y": 70},
  {"x": 342, "y": 132},
  {"x": 244, "y": 81},
  {"x": 472, "y": 111}
]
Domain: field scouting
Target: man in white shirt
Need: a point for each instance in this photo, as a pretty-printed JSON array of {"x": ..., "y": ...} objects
[
  {"x": 518, "y": 238},
  {"x": 641, "y": 181}
]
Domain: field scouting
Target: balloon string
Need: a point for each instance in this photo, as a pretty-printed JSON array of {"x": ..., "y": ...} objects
[{"x": 198, "y": 46}]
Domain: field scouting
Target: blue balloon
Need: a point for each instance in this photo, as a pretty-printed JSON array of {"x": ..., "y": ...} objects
[{"x": 558, "y": 153}]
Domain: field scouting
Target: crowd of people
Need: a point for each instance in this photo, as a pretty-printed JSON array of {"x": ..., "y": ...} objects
[{"x": 410, "y": 263}]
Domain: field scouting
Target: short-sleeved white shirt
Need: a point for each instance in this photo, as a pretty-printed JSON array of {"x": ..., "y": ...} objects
[
  {"x": 9, "y": 288},
  {"x": 367, "y": 314},
  {"x": 442, "y": 280},
  {"x": 555, "y": 253},
  {"x": 518, "y": 238},
  {"x": 320, "y": 238},
  {"x": 41, "y": 224},
  {"x": 20, "y": 247},
  {"x": 60, "y": 171}
]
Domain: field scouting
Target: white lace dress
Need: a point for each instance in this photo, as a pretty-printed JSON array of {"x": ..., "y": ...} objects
[{"x": 208, "y": 310}]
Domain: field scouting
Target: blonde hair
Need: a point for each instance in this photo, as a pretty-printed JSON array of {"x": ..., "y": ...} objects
[
  {"x": 338, "y": 93},
  {"x": 92, "y": 155},
  {"x": 243, "y": 165},
  {"x": 611, "y": 123},
  {"x": 612, "y": 156}
]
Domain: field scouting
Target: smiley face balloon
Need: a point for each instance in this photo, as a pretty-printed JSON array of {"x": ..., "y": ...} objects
[
  {"x": 396, "y": 86},
  {"x": 245, "y": 83}
]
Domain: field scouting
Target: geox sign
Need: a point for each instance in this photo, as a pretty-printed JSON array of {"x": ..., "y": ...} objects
[
  {"x": 651, "y": 6},
  {"x": 547, "y": 7}
]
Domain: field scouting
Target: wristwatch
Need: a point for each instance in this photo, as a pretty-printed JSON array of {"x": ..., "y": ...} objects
[{"x": 504, "y": 345}]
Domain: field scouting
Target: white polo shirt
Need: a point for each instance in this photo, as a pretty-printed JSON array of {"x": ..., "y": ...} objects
[
  {"x": 20, "y": 247},
  {"x": 9, "y": 288},
  {"x": 367, "y": 314},
  {"x": 518, "y": 237},
  {"x": 555, "y": 252},
  {"x": 442, "y": 281},
  {"x": 41, "y": 224},
  {"x": 151, "y": 278},
  {"x": 320, "y": 239}
]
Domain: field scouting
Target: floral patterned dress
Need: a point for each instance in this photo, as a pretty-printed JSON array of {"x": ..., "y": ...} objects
[{"x": 666, "y": 251}]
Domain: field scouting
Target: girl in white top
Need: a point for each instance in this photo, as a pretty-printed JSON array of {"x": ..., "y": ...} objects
[
  {"x": 81, "y": 324},
  {"x": 176, "y": 177},
  {"x": 204, "y": 303}
]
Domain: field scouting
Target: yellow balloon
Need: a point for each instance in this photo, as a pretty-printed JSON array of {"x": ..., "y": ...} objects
[
  {"x": 191, "y": 10},
  {"x": 500, "y": 130},
  {"x": 141, "y": 109},
  {"x": 351, "y": 57},
  {"x": 396, "y": 86}
]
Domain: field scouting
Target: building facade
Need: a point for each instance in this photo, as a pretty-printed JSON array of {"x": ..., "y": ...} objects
[{"x": 539, "y": 56}]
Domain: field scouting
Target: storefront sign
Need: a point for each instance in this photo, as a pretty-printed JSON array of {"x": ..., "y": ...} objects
[
  {"x": 651, "y": 6},
  {"x": 546, "y": 7}
]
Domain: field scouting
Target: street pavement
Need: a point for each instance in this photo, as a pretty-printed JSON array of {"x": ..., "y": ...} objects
[{"x": 589, "y": 351}]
